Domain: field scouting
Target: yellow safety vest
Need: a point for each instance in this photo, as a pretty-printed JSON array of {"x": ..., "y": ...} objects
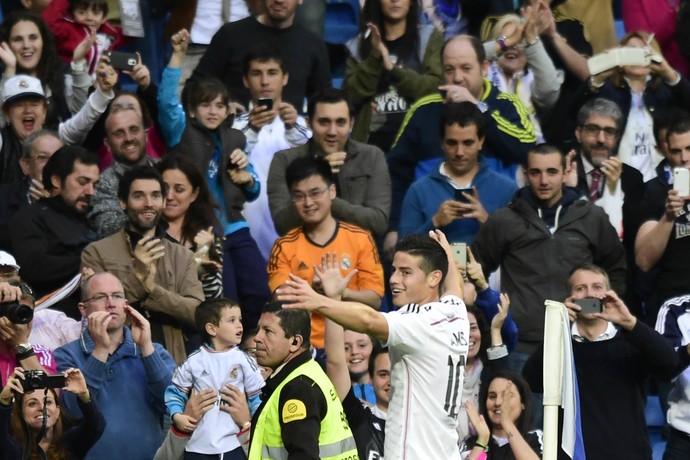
[{"x": 335, "y": 439}]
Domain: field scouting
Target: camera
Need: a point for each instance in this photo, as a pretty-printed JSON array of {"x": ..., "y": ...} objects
[
  {"x": 36, "y": 380},
  {"x": 17, "y": 313}
]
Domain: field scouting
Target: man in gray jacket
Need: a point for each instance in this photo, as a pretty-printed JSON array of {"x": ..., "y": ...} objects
[
  {"x": 546, "y": 231},
  {"x": 362, "y": 182}
]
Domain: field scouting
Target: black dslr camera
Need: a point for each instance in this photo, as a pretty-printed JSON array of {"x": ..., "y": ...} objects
[
  {"x": 37, "y": 380},
  {"x": 16, "y": 312}
]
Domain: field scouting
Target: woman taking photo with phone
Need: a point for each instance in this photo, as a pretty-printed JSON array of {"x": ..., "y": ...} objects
[{"x": 32, "y": 426}]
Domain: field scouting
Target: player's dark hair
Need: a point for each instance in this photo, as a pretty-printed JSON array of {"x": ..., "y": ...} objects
[{"x": 432, "y": 255}]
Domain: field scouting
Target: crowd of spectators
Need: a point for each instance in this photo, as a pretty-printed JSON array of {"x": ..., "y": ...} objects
[{"x": 150, "y": 212}]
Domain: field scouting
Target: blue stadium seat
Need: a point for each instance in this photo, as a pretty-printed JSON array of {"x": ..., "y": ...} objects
[{"x": 341, "y": 22}]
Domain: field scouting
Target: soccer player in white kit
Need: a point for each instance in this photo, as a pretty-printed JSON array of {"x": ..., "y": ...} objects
[{"x": 427, "y": 340}]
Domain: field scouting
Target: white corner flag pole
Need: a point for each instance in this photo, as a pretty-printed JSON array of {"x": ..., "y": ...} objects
[{"x": 553, "y": 376}]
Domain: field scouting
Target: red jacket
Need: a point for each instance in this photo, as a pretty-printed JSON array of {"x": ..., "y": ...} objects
[{"x": 68, "y": 33}]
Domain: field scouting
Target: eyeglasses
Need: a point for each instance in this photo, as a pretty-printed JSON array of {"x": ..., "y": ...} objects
[
  {"x": 594, "y": 130},
  {"x": 312, "y": 195},
  {"x": 117, "y": 298}
]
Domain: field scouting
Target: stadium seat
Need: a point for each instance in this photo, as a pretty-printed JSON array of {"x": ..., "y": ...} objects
[{"x": 342, "y": 21}]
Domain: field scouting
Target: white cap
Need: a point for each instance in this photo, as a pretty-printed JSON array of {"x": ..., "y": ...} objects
[
  {"x": 7, "y": 259},
  {"x": 20, "y": 87}
]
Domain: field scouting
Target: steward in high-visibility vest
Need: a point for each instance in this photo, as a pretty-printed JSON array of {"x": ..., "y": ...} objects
[{"x": 301, "y": 400}]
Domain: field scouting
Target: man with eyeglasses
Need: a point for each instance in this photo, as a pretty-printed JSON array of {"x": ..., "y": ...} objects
[
  {"x": 600, "y": 175},
  {"x": 362, "y": 183},
  {"x": 606, "y": 181},
  {"x": 36, "y": 151},
  {"x": 322, "y": 237},
  {"x": 126, "y": 372}
]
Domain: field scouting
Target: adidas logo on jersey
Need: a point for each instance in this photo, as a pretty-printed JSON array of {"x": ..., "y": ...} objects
[
  {"x": 204, "y": 373},
  {"x": 302, "y": 266}
]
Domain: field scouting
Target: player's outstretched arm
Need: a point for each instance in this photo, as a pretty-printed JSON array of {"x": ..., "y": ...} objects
[{"x": 351, "y": 315}]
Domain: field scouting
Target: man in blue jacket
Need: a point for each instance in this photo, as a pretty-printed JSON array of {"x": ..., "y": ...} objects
[
  {"x": 458, "y": 195},
  {"x": 126, "y": 372}
]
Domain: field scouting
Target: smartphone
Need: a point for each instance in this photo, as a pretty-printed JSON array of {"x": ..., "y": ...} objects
[
  {"x": 460, "y": 254},
  {"x": 462, "y": 198},
  {"x": 681, "y": 181},
  {"x": 265, "y": 101},
  {"x": 122, "y": 61},
  {"x": 589, "y": 305}
]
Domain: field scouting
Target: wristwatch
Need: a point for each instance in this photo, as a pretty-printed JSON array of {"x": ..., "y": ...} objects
[{"x": 22, "y": 348}]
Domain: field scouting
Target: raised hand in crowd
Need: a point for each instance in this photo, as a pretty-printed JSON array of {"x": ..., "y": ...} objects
[
  {"x": 13, "y": 385},
  {"x": 9, "y": 60},
  {"x": 106, "y": 76},
  {"x": 146, "y": 252},
  {"x": 336, "y": 160},
  {"x": 141, "y": 331},
  {"x": 378, "y": 48},
  {"x": 331, "y": 281},
  {"x": 139, "y": 73},
  {"x": 179, "y": 43},
  {"x": 237, "y": 168},
  {"x": 76, "y": 383},
  {"x": 82, "y": 49}
]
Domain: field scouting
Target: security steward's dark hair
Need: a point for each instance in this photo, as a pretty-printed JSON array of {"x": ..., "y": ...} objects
[{"x": 293, "y": 322}]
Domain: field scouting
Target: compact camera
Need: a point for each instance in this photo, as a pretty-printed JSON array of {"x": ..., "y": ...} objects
[{"x": 37, "y": 380}]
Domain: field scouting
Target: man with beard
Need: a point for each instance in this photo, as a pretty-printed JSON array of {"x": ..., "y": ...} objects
[
  {"x": 126, "y": 137},
  {"x": 159, "y": 276},
  {"x": 608, "y": 182},
  {"x": 47, "y": 238}
]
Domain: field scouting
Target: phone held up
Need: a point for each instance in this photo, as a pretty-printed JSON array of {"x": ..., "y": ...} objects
[
  {"x": 266, "y": 102},
  {"x": 459, "y": 196},
  {"x": 589, "y": 305},
  {"x": 122, "y": 61},
  {"x": 460, "y": 254}
]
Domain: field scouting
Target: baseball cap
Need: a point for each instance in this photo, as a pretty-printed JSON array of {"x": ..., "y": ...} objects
[
  {"x": 7, "y": 259},
  {"x": 21, "y": 87}
]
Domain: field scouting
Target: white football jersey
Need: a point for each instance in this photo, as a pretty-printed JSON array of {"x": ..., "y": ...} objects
[
  {"x": 216, "y": 432},
  {"x": 428, "y": 348}
]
